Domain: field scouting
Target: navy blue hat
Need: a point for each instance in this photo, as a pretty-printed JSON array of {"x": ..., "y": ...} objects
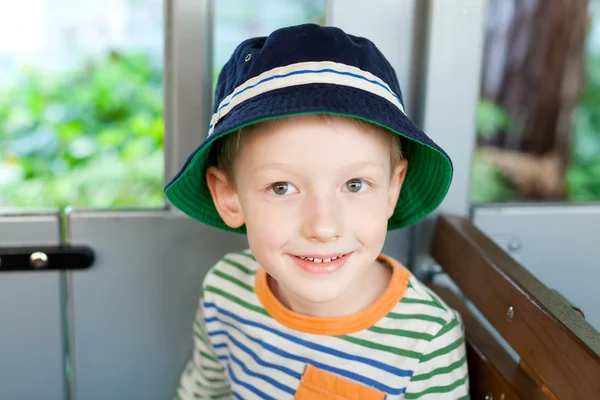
[{"x": 320, "y": 70}]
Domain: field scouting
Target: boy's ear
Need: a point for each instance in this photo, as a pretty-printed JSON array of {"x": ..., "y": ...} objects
[
  {"x": 225, "y": 197},
  {"x": 396, "y": 182}
]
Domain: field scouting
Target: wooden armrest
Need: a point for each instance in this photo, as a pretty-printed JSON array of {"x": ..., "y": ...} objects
[
  {"x": 573, "y": 306},
  {"x": 553, "y": 341},
  {"x": 492, "y": 371}
]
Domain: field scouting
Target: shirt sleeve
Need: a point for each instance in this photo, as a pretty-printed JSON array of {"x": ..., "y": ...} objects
[
  {"x": 203, "y": 377},
  {"x": 442, "y": 371}
]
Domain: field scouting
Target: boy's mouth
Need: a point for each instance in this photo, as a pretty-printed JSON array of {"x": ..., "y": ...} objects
[
  {"x": 321, "y": 264},
  {"x": 322, "y": 259}
]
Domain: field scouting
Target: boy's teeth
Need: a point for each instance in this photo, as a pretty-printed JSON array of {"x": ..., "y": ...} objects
[{"x": 320, "y": 260}]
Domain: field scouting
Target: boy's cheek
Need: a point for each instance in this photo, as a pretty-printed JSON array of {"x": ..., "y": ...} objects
[
  {"x": 270, "y": 220},
  {"x": 374, "y": 208},
  {"x": 368, "y": 221}
]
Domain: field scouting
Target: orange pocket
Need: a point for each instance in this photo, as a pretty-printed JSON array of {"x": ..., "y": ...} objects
[{"x": 318, "y": 384}]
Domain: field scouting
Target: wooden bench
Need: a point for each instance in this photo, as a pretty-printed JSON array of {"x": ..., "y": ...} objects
[{"x": 559, "y": 351}]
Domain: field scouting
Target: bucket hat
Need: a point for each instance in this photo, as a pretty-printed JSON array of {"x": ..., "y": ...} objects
[{"x": 311, "y": 69}]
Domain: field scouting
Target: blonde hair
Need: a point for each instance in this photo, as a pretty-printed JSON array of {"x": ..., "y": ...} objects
[{"x": 225, "y": 150}]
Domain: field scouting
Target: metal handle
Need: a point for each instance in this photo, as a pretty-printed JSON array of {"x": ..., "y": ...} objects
[{"x": 45, "y": 258}]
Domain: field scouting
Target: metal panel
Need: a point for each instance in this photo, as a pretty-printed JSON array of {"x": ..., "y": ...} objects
[
  {"x": 557, "y": 243},
  {"x": 455, "y": 42},
  {"x": 188, "y": 78},
  {"x": 133, "y": 311},
  {"x": 31, "y": 343}
]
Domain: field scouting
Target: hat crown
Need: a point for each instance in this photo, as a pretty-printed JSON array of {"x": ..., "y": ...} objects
[{"x": 302, "y": 43}]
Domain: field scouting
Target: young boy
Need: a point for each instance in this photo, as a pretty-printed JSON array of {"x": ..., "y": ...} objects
[{"x": 309, "y": 152}]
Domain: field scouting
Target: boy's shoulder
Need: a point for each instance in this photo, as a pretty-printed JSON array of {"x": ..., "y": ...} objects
[
  {"x": 234, "y": 270},
  {"x": 421, "y": 300}
]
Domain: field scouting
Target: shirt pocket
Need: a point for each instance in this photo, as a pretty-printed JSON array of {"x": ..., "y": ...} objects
[{"x": 322, "y": 385}]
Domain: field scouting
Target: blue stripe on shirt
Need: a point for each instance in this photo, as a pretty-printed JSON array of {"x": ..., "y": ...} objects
[
  {"x": 263, "y": 377},
  {"x": 251, "y": 388},
  {"x": 341, "y": 372},
  {"x": 237, "y": 396},
  {"x": 253, "y": 355},
  {"x": 314, "y": 346}
]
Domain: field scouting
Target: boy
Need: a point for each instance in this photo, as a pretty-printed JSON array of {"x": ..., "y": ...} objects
[{"x": 310, "y": 154}]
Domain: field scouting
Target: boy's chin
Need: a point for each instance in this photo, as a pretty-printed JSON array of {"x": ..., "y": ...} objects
[{"x": 322, "y": 295}]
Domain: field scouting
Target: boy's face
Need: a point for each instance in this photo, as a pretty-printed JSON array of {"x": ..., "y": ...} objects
[{"x": 312, "y": 189}]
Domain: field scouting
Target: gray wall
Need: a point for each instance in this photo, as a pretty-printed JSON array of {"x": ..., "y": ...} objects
[{"x": 559, "y": 244}]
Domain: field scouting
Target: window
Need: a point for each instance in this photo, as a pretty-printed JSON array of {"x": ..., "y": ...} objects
[
  {"x": 81, "y": 103},
  {"x": 237, "y": 20}
]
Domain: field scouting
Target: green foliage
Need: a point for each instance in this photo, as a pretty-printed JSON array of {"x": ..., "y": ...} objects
[
  {"x": 583, "y": 173},
  {"x": 487, "y": 183},
  {"x": 491, "y": 118},
  {"x": 91, "y": 136}
]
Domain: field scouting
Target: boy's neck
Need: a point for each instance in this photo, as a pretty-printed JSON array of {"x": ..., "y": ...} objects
[{"x": 363, "y": 294}]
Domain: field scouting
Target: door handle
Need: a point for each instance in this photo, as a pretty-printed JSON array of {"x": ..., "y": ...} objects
[{"x": 45, "y": 258}]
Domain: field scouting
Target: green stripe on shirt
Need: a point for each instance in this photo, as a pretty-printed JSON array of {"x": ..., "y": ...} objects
[
  {"x": 381, "y": 347},
  {"x": 237, "y": 300},
  {"x": 240, "y": 266},
  {"x": 422, "y": 317},
  {"x": 402, "y": 333},
  {"x": 211, "y": 380},
  {"x": 443, "y": 350},
  {"x": 233, "y": 280},
  {"x": 447, "y": 328},
  {"x": 438, "y": 389},
  {"x": 440, "y": 371},
  {"x": 208, "y": 356},
  {"x": 407, "y": 300}
]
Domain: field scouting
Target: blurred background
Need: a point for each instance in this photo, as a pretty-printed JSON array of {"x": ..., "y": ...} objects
[
  {"x": 81, "y": 105},
  {"x": 538, "y": 120}
]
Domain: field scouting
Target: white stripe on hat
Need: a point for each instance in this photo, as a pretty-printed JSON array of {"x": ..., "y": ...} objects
[{"x": 302, "y": 74}]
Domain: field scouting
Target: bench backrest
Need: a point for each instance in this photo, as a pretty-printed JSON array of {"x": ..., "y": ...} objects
[{"x": 559, "y": 351}]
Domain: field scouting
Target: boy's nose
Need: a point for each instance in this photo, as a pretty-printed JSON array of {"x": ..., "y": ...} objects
[{"x": 322, "y": 219}]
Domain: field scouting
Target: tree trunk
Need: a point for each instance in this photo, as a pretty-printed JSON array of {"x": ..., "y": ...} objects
[{"x": 533, "y": 69}]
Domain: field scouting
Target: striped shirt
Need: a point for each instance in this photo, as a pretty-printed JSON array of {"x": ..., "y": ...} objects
[{"x": 407, "y": 345}]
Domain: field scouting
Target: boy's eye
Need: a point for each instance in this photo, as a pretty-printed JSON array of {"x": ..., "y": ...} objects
[
  {"x": 356, "y": 185},
  {"x": 283, "y": 188}
]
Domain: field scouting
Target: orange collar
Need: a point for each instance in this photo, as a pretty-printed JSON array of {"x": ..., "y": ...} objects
[{"x": 336, "y": 326}]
